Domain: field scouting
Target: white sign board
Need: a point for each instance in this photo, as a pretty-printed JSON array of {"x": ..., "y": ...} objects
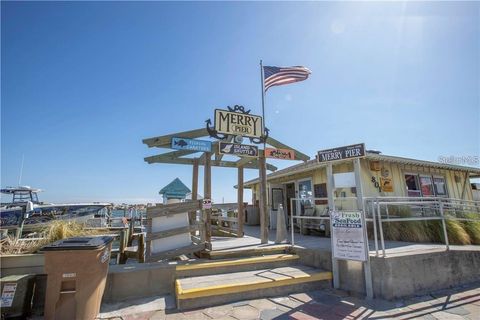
[
  {"x": 348, "y": 237},
  {"x": 344, "y": 180},
  {"x": 206, "y": 204},
  {"x": 7, "y": 294}
]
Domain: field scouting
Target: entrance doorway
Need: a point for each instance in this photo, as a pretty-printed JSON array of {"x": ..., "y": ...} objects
[{"x": 289, "y": 194}]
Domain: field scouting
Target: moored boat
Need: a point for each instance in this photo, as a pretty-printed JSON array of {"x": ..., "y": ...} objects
[{"x": 26, "y": 207}]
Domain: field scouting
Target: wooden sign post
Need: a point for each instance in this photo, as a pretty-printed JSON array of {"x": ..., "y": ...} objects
[
  {"x": 263, "y": 199},
  {"x": 207, "y": 194},
  {"x": 241, "y": 209}
]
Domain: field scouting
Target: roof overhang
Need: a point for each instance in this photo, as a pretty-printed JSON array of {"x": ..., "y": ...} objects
[{"x": 314, "y": 164}]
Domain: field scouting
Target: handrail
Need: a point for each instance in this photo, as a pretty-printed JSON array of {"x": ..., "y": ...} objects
[{"x": 444, "y": 209}]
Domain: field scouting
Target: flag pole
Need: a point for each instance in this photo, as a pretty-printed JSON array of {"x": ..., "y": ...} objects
[
  {"x": 262, "y": 166},
  {"x": 263, "y": 97}
]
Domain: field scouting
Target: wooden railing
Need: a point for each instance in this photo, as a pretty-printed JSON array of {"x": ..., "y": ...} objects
[{"x": 167, "y": 223}]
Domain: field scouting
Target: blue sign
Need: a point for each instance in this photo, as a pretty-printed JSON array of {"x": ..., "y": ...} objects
[{"x": 191, "y": 144}]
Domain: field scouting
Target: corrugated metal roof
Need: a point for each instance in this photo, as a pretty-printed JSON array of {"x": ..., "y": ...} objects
[{"x": 314, "y": 164}]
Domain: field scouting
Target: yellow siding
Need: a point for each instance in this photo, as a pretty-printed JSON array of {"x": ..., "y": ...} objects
[{"x": 455, "y": 189}]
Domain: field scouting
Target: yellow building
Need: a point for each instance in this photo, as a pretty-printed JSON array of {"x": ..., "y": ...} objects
[{"x": 380, "y": 175}]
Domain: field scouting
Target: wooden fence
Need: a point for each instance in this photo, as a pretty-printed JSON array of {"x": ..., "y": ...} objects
[{"x": 171, "y": 233}]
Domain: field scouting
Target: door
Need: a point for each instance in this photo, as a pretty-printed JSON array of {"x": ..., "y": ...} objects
[
  {"x": 305, "y": 194},
  {"x": 277, "y": 197},
  {"x": 289, "y": 194}
]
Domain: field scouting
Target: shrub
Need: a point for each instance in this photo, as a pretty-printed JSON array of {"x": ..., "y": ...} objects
[{"x": 54, "y": 231}]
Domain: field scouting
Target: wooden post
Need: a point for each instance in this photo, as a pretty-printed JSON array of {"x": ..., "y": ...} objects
[
  {"x": 192, "y": 215},
  {"x": 263, "y": 198},
  {"x": 331, "y": 207},
  {"x": 131, "y": 230},
  {"x": 241, "y": 208},
  {"x": 141, "y": 248},
  {"x": 195, "y": 179},
  {"x": 207, "y": 194},
  {"x": 357, "y": 167},
  {"x": 123, "y": 241}
]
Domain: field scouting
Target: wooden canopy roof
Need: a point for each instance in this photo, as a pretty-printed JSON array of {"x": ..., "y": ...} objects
[{"x": 178, "y": 156}]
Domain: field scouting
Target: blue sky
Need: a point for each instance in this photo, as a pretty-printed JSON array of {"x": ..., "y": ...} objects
[{"x": 83, "y": 83}]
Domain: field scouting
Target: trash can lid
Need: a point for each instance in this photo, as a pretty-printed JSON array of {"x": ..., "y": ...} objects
[{"x": 79, "y": 243}]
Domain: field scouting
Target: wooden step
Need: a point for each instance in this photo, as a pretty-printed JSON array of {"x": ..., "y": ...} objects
[
  {"x": 203, "y": 291},
  {"x": 208, "y": 267},
  {"x": 246, "y": 252}
]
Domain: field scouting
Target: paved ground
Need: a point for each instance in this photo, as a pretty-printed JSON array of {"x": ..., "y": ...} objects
[
  {"x": 392, "y": 248},
  {"x": 459, "y": 303}
]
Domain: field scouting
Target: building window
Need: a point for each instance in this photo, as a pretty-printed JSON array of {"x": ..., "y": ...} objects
[
  {"x": 440, "y": 187},
  {"x": 425, "y": 185},
  {"x": 413, "y": 189}
]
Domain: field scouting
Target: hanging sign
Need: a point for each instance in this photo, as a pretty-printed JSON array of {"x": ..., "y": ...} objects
[
  {"x": 284, "y": 154},
  {"x": 242, "y": 150},
  {"x": 206, "y": 204},
  {"x": 342, "y": 153},
  {"x": 386, "y": 180},
  {"x": 348, "y": 237},
  {"x": 191, "y": 144},
  {"x": 236, "y": 123}
]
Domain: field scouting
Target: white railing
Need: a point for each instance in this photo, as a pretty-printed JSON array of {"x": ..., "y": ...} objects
[{"x": 379, "y": 210}]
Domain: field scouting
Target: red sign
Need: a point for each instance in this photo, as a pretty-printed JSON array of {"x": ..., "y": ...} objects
[{"x": 285, "y": 154}]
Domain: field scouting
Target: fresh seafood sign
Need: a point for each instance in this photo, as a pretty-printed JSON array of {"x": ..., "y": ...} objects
[
  {"x": 285, "y": 154},
  {"x": 348, "y": 236},
  {"x": 242, "y": 150},
  {"x": 191, "y": 144},
  {"x": 342, "y": 153},
  {"x": 236, "y": 123}
]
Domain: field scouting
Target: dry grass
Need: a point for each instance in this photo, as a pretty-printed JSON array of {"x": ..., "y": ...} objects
[
  {"x": 54, "y": 231},
  {"x": 473, "y": 228},
  {"x": 10, "y": 245},
  {"x": 459, "y": 233}
]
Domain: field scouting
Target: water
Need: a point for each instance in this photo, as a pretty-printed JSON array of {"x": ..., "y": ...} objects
[{"x": 118, "y": 213}]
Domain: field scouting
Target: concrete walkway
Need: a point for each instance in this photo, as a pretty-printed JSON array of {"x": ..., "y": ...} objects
[
  {"x": 459, "y": 303},
  {"x": 393, "y": 248}
]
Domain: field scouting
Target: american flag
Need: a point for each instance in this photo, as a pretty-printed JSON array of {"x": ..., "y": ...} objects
[{"x": 277, "y": 76}]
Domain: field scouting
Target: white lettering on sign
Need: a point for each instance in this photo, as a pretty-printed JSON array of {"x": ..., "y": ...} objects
[
  {"x": 236, "y": 123},
  {"x": 8, "y": 293},
  {"x": 340, "y": 153},
  {"x": 69, "y": 275}
]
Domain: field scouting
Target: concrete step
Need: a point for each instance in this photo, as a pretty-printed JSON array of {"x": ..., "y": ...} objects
[
  {"x": 204, "y": 291},
  {"x": 250, "y": 251},
  {"x": 210, "y": 267}
]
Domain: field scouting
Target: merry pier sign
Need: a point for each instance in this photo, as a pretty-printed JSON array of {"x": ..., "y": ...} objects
[
  {"x": 236, "y": 123},
  {"x": 342, "y": 153}
]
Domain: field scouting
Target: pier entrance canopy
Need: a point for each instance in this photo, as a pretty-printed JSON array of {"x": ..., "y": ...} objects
[{"x": 197, "y": 148}]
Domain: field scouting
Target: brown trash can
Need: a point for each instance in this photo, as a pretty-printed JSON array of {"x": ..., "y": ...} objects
[{"x": 76, "y": 275}]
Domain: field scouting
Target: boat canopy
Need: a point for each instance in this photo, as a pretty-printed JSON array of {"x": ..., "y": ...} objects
[
  {"x": 21, "y": 189},
  {"x": 22, "y": 194}
]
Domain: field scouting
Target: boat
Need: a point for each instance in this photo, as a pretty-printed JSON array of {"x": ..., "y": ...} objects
[{"x": 25, "y": 207}]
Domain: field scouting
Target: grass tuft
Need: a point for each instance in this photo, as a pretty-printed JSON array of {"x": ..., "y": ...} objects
[{"x": 54, "y": 231}]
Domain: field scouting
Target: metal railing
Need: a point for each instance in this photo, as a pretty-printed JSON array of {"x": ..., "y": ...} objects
[
  {"x": 380, "y": 210},
  {"x": 308, "y": 209},
  {"x": 404, "y": 209}
]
